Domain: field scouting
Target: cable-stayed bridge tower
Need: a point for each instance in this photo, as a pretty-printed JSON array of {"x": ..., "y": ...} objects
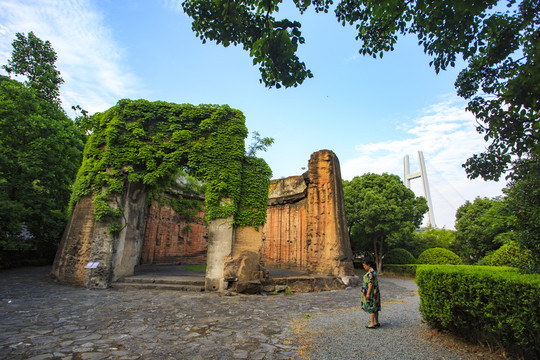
[{"x": 423, "y": 175}]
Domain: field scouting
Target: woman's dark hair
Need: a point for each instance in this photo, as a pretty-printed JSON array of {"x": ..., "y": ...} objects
[{"x": 369, "y": 261}]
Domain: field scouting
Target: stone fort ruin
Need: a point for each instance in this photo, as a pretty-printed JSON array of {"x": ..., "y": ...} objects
[{"x": 305, "y": 230}]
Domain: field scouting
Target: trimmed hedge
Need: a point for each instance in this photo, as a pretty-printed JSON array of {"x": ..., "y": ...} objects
[
  {"x": 439, "y": 256},
  {"x": 399, "y": 256},
  {"x": 493, "y": 304}
]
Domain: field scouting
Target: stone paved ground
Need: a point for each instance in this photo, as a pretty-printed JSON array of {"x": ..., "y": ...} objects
[{"x": 41, "y": 319}]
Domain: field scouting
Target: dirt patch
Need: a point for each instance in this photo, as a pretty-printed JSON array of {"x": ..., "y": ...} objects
[{"x": 458, "y": 344}]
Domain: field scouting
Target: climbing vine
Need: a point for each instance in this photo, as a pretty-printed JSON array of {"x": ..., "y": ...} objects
[{"x": 153, "y": 143}]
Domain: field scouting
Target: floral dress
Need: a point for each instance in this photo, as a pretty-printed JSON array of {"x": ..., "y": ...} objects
[{"x": 373, "y": 304}]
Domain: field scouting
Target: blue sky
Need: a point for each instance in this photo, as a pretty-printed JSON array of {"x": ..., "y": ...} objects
[{"x": 370, "y": 112}]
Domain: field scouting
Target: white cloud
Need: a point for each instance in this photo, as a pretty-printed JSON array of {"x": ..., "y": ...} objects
[
  {"x": 446, "y": 134},
  {"x": 90, "y": 61}
]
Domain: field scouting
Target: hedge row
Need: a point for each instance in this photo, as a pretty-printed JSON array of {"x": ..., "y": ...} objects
[{"x": 497, "y": 305}]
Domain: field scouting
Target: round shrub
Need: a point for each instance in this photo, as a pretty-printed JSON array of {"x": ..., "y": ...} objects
[
  {"x": 486, "y": 260},
  {"x": 510, "y": 255},
  {"x": 439, "y": 256},
  {"x": 399, "y": 256}
]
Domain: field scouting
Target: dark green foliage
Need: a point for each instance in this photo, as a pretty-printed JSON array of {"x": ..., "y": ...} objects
[
  {"x": 271, "y": 43},
  {"x": 399, "y": 256},
  {"x": 153, "y": 142},
  {"x": 401, "y": 270},
  {"x": 35, "y": 59},
  {"x": 39, "y": 157},
  {"x": 481, "y": 227},
  {"x": 493, "y": 304},
  {"x": 424, "y": 239},
  {"x": 501, "y": 80},
  {"x": 439, "y": 256},
  {"x": 183, "y": 196},
  {"x": 379, "y": 210},
  {"x": 523, "y": 200}
]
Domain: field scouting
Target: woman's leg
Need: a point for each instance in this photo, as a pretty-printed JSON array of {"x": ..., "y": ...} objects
[{"x": 373, "y": 322}]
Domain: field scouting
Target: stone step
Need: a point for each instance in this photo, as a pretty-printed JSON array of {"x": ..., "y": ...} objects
[
  {"x": 158, "y": 286},
  {"x": 165, "y": 280}
]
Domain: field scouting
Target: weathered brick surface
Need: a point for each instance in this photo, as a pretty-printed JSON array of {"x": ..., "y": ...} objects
[
  {"x": 172, "y": 239},
  {"x": 305, "y": 225},
  {"x": 284, "y": 235}
]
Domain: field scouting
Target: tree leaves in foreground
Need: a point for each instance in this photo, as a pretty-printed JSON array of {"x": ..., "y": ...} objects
[
  {"x": 379, "y": 209},
  {"x": 499, "y": 39},
  {"x": 40, "y": 153}
]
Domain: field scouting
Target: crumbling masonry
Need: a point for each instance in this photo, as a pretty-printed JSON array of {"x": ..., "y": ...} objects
[{"x": 305, "y": 230}]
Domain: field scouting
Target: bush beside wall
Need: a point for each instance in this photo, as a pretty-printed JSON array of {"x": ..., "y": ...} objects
[{"x": 497, "y": 305}]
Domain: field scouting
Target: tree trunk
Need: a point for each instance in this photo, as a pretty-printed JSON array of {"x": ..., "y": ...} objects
[{"x": 378, "y": 252}]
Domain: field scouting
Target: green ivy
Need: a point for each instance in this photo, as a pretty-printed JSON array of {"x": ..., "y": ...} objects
[
  {"x": 254, "y": 192},
  {"x": 153, "y": 143}
]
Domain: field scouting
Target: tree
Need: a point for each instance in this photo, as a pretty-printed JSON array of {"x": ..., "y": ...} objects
[
  {"x": 502, "y": 48},
  {"x": 35, "y": 59},
  {"x": 523, "y": 201},
  {"x": 482, "y": 227},
  {"x": 380, "y": 208},
  {"x": 428, "y": 238},
  {"x": 40, "y": 153}
]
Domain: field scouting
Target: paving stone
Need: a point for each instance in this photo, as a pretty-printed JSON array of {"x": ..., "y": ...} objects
[
  {"x": 42, "y": 319},
  {"x": 42, "y": 357}
]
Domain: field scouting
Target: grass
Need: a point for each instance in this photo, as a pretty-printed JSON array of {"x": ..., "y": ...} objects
[{"x": 201, "y": 267}]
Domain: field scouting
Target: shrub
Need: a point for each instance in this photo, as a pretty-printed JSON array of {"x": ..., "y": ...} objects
[
  {"x": 493, "y": 304},
  {"x": 486, "y": 260},
  {"x": 403, "y": 270},
  {"x": 510, "y": 255},
  {"x": 439, "y": 256},
  {"x": 399, "y": 256}
]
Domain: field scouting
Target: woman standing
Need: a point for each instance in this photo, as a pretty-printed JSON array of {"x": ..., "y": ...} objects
[{"x": 371, "y": 297}]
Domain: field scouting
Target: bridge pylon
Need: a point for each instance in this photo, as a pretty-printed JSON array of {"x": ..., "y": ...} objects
[{"x": 423, "y": 175}]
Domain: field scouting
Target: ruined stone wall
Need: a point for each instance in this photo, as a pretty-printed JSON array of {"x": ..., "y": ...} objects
[
  {"x": 284, "y": 234},
  {"x": 306, "y": 226},
  {"x": 87, "y": 240},
  {"x": 170, "y": 238},
  {"x": 76, "y": 244},
  {"x": 305, "y": 229}
]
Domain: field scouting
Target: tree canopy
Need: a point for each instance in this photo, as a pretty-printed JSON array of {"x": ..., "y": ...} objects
[
  {"x": 35, "y": 59},
  {"x": 427, "y": 238},
  {"x": 380, "y": 209},
  {"x": 481, "y": 227},
  {"x": 523, "y": 202},
  {"x": 40, "y": 153},
  {"x": 500, "y": 44}
]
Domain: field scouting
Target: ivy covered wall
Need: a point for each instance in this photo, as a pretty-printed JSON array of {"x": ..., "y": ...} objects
[{"x": 151, "y": 143}]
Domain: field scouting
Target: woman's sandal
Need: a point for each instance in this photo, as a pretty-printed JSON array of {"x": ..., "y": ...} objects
[{"x": 372, "y": 327}]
